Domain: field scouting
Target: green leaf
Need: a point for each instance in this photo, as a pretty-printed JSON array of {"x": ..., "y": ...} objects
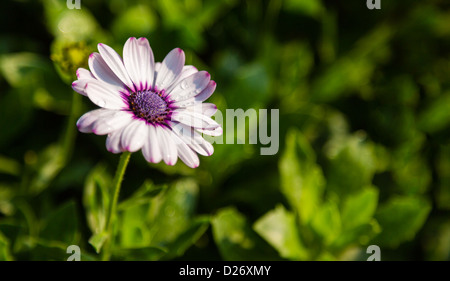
[
  {"x": 145, "y": 193},
  {"x": 97, "y": 240},
  {"x": 235, "y": 238},
  {"x": 352, "y": 72},
  {"x": 361, "y": 234},
  {"x": 7, "y": 194},
  {"x": 139, "y": 254},
  {"x": 62, "y": 224},
  {"x": 359, "y": 208},
  {"x": 279, "y": 228},
  {"x": 9, "y": 166},
  {"x": 23, "y": 69},
  {"x": 48, "y": 165},
  {"x": 311, "y": 8},
  {"x": 195, "y": 230},
  {"x": 436, "y": 115},
  {"x": 5, "y": 254},
  {"x": 327, "y": 222},
  {"x": 352, "y": 165},
  {"x": 411, "y": 173},
  {"x": 159, "y": 217},
  {"x": 44, "y": 250},
  {"x": 302, "y": 181},
  {"x": 37, "y": 77},
  {"x": 442, "y": 195},
  {"x": 96, "y": 198},
  {"x": 73, "y": 24},
  {"x": 134, "y": 228},
  {"x": 171, "y": 213},
  {"x": 400, "y": 219},
  {"x": 49, "y": 251}
]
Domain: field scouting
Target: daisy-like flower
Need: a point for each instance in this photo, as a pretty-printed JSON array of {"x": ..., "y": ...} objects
[{"x": 155, "y": 107}]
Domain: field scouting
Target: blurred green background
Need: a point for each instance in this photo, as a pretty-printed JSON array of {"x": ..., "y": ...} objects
[{"x": 364, "y": 156}]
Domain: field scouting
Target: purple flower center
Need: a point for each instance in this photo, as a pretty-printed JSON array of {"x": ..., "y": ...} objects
[{"x": 149, "y": 106}]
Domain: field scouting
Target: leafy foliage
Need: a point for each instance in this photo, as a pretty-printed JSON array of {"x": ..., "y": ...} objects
[{"x": 364, "y": 153}]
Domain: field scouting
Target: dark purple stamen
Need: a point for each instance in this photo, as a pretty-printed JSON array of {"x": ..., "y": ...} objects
[{"x": 148, "y": 105}]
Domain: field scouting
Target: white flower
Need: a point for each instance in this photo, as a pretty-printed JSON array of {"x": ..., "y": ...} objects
[{"x": 156, "y": 107}]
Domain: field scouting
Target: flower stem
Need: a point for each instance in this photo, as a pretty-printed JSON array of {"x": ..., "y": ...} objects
[{"x": 111, "y": 214}]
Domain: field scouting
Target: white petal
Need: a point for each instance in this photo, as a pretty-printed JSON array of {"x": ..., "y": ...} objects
[
  {"x": 171, "y": 67},
  {"x": 114, "y": 120},
  {"x": 190, "y": 86},
  {"x": 83, "y": 73},
  {"x": 207, "y": 92},
  {"x": 187, "y": 155},
  {"x": 167, "y": 145},
  {"x": 157, "y": 67},
  {"x": 79, "y": 86},
  {"x": 106, "y": 95},
  {"x": 215, "y": 132},
  {"x": 115, "y": 63},
  {"x": 187, "y": 71},
  {"x": 113, "y": 142},
  {"x": 193, "y": 139},
  {"x": 208, "y": 109},
  {"x": 202, "y": 96},
  {"x": 139, "y": 61},
  {"x": 194, "y": 119},
  {"x": 134, "y": 135},
  {"x": 151, "y": 149},
  {"x": 101, "y": 70},
  {"x": 86, "y": 122}
]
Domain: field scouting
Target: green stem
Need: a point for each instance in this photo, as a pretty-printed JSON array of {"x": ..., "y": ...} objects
[{"x": 110, "y": 216}]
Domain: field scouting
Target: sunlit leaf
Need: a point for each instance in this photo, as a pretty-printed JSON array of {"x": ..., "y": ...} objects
[
  {"x": 279, "y": 228},
  {"x": 352, "y": 164},
  {"x": 74, "y": 24},
  {"x": 9, "y": 166},
  {"x": 307, "y": 7},
  {"x": 360, "y": 234},
  {"x": 327, "y": 222},
  {"x": 359, "y": 208},
  {"x": 302, "y": 181},
  {"x": 97, "y": 240},
  {"x": 236, "y": 239}
]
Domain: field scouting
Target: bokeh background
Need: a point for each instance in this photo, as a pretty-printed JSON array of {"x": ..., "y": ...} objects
[{"x": 364, "y": 153}]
